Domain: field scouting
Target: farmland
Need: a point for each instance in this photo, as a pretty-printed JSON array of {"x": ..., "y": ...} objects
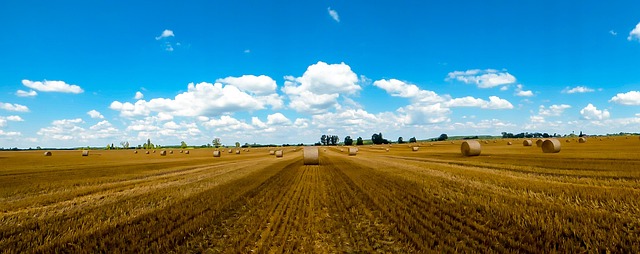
[{"x": 511, "y": 198}]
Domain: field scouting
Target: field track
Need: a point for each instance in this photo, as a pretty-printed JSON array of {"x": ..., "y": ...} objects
[{"x": 510, "y": 199}]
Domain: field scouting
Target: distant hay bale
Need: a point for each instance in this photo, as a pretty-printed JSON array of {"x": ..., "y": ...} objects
[
  {"x": 186, "y": 152},
  {"x": 341, "y": 150},
  {"x": 171, "y": 152},
  {"x": 582, "y": 140},
  {"x": 181, "y": 151},
  {"x": 272, "y": 152},
  {"x": 47, "y": 153},
  {"x": 600, "y": 139},
  {"x": 453, "y": 142},
  {"x": 154, "y": 151},
  {"x": 230, "y": 150},
  {"x": 135, "y": 152},
  {"x": 568, "y": 141},
  {"x": 85, "y": 153},
  {"x": 146, "y": 152},
  {"x": 279, "y": 154},
  {"x": 470, "y": 148},
  {"x": 486, "y": 142},
  {"x": 310, "y": 155},
  {"x": 387, "y": 149},
  {"x": 551, "y": 146},
  {"x": 495, "y": 141},
  {"x": 353, "y": 151},
  {"x": 539, "y": 142},
  {"x": 431, "y": 144},
  {"x": 527, "y": 143},
  {"x": 163, "y": 153},
  {"x": 248, "y": 150},
  {"x": 415, "y": 148},
  {"x": 216, "y": 153},
  {"x": 509, "y": 143},
  {"x": 237, "y": 151},
  {"x": 324, "y": 150}
]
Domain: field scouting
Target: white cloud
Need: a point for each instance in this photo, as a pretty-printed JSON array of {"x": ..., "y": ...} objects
[
  {"x": 10, "y": 134},
  {"x": 52, "y": 86},
  {"x": 399, "y": 88},
  {"x": 320, "y": 86},
  {"x": 590, "y": 112},
  {"x": 482, "y": 78},
  {"x": 22, "y": 93},
  {"x": 631, "y": 98},
  {"x": 247, "y": 51},
  {"x": 138, "y": 95},
  {"x": 15, "y": 118},
  {"x": 95, "y": 114},
  {"x": 523, "y": 93},
  {"x": 334, "y": 14},
  {"x": 635, "y": 33},
  {"x": 260, "y": 85},
  {"x": 614, "y": 33},
  {"x": 494, "y": 102},
  {"x": 165, "y": 34},
  {"x": 278, "y": 119},
  {"x": 14, "y": 107},
  {"x": 424, "y": 114},
  {"x": 202, "y": 99},
  {"x": 227, "y": 123},
  {"x": 553, "y": 110},
  {"x": 577, "y": 89}
]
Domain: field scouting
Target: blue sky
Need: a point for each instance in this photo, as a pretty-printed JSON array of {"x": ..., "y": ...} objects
[{"x": 78, "y": 73}]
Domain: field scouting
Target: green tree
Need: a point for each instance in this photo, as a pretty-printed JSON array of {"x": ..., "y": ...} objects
[
  {"x": 216, "y": 142},
  {"x": 323, "y": 140},
  {"x": 400, "y": 140},
  {"x": 348, "y": 141},
  {"x": 237, "y": 144},
  {"x": 443, "y": 137},
  {"x": 183, "y": 145},
  {"x": 413, "y": 140},
  {"x": 108, "y": 147},
  {"x": 359, "y": 141}
]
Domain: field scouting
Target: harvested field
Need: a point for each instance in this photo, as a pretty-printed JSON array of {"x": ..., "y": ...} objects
[{"x": 509, "y": 199}]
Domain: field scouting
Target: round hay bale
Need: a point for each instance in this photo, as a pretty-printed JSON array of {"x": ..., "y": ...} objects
[
  {"x": 527, "y": 143},
  {"x": 47, "y": 153},
  {"x": 85, "y": 153},
  {"x": 539, "y": 142},
  {"x": 279, "y": 154},
  {"x": 216, "y": 153},
  {"x": 181, "y": 151},
  {"x": 135, "y": 152},
  {"x": 509, "y": 143},
  {"x": 230, "y": 150},
  {"x": 272, "y": 152},
  {"x": 486, "y": 142},
  {"x": 163, "y": 153},
  {"x": 600, "y": 139},
  {"x": 568, "y": 141},
  {"x": 237, "y": 151},
  {"x": 154, "y": 151},
  {"x": 415, "y": 148},
  {"x": 453, "y": 142},
  {"x": 146, "y": 152},
  {"x": 324, "y": 150},
  {"x": 353, "y": 151},
  {"x": 310, "y": 156},
  {"x": 387, "y": 149},
  {"x": 551, "y": 146},
  {"x": 341, "y": 150},
  {"x": 470, "y": 148},
  {"x": 171, "y": 152},
  {"x": 495, "y": 141},
  {"x": 431, "y": 144},
  {"x": 582, "y": 140},
  {"x": 186, "y": 152}
]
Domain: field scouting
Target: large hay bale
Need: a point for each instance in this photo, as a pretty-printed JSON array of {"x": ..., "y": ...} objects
[
  {"x": 415, "y": 148},
  {"x": 310, "y": 155},
  {"x": 353, "y": 151},
  {"x": 85, "y": 153},
  {"x": 527, "y": 143},
  {"x": 539, "y": 142},
  {"x": 47, "y": 153},
  {"x": 582, "y": 140},
  {"x": 279, "y": 154},
  {"x": 186, "y": 152},
  {"x": 216, "y": 153},
  {"x": 551, "y": 146},
  {"x": 163, "y": 153},
  {"x": 470, "y": 148}
]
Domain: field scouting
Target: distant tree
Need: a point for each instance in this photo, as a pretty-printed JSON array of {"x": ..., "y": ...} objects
[
  {"x": 216, "y": 142},
  {"x": 359, "y": 141},
  {"x": 443, "y": 137},
  {"x": 400, "y": 140},
  {"x": 183, "y": 145},
  {"x": 149, "y": 145},
  {"x": 348, "y": 141},
  {"x": 108, "y": 147},
  {"x": 112, "y": 146},
  {"x": 124, "y": 144},
  {"x": 413, "y": 140},
  {"x": 323, "y": 140},
  {"x": 335, "y": 140},
  {"x": 581, "y": 135},
  {"x": 545, "y": 135},
  {"x": 39, "y": 148},
  {"x": 237, "y": 144}
]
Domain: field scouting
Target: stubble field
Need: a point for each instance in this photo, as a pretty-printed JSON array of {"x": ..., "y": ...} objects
[{"x": 508, "y": 199}]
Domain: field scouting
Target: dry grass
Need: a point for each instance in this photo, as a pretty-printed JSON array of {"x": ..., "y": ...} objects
[{"x": 508, "y": 199}]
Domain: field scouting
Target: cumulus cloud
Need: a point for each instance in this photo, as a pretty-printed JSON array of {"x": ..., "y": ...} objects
[
  {"x": 631, "y": 98},
  {"x": 95, "y": 114},
  {"x": 262, "y": 87},
  {"x": 320, "y": 86},
  {"x": 14, "y": 107},
  {"x": 22, "y": 93},
  {"x": 402, "y": 89},
  {"x": 202, "y": 99},
  {"x": 577, "y": 89},
  {"x": 553, "y": 110},
  {"x": 494, "y": 102},
  {"x": 635, "y": 33},
  {"x": 334, "y": 14},
  {"x": 424, "y": 114},
  {"x": 165, "y": 34},
  {"x": 138, "y": 95},
  {"x": 590, "y": 112},
  {"x": 52, "y": 86},
  {"x": 523, "y": 93},
  {"x": 70, "y": 130},
  {"x": 15, "y": 118},
  {"x": 10, "y": 133},
  {"x": 488, "y": 78}
]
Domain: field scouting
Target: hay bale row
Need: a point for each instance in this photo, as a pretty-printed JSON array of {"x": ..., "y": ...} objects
[
  {"x": 470, "y": 148},
  {"x": 310, "y": 156},
  {"x": 551, "y": 146},
  {"x": 539, "y": 142},
  {"x": 279, "y": 154},
  {"x": 527, "y": 143}
]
